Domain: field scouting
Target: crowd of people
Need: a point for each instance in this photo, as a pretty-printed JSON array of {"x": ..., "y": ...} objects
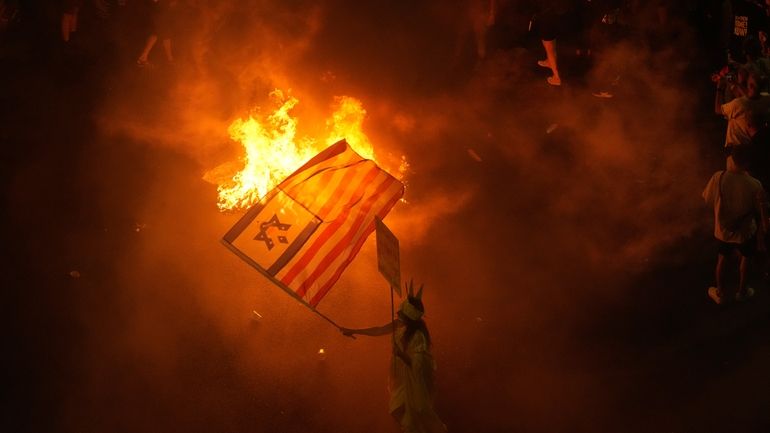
[
  {"x": 160, "y": 18},
  {"x": 736, "y": 193}
]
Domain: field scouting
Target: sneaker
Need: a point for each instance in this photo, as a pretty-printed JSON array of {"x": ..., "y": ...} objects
[
  {"x": 748, "y": 293},
  {"x": 715, "y": 295},
  {"x": 544, "y": 63},
  {"x": 553, "y": 81}
]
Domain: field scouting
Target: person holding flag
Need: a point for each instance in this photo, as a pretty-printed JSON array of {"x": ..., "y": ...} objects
[{"x": 412, "y": 366}]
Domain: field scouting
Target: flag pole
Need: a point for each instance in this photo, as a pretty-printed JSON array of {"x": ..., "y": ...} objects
[
  {"x": 323, "y": 316},
  {"x": 392, "y": 314}
]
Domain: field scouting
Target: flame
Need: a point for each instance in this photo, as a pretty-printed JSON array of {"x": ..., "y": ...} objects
[
  {"x": 347, "y": 122},
  {"x": 272, "y": 150}
]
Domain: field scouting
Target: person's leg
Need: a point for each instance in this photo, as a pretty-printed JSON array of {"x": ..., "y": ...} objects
[
  {"x": 142, "y": 60},
  {"x": 167, "y": 48},
  {"x": 66, "y": 26},
  {"x": 480, "y": 34},
  {"x": 742, "y": 272},
  {"x": 74, "y": 26},
  {"x": 717, "y": 293},
  {"x": 551, "y": 58},
  {"x": 720, "y": 272}
]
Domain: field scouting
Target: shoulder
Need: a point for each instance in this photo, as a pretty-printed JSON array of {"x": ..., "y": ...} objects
[
  {"x": 755, "y": 183},
  {"x": 734, "y": 104},
  {"x": 710, "y": 185}
]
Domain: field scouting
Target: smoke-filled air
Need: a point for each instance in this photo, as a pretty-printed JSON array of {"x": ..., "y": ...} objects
[{"x": 559, "y": 232}]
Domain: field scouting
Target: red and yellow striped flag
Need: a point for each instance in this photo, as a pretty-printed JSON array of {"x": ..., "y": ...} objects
[{"x": 304, "y": 233}]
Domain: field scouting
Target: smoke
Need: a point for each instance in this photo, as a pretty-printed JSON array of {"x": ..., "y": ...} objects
[{"x": 528, "y": 211}]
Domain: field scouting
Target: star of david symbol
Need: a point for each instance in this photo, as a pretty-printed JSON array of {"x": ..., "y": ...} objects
[{"x": 272, "y": 222}]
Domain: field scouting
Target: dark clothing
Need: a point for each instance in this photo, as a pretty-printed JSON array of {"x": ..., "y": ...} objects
[
  {"x": 747, "y": 249},
  {"x": 760, "y": 156},
  {"x": 71, "y": 6},
  {"x": 163, "y": 18},
  {"x": 550, "y": 25},
  {"x": 558, "y": 7},
  {"x": 747, "y": 20}
]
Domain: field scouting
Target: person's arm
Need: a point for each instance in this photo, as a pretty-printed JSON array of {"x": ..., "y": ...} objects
[{"x": 376, "y": 331}]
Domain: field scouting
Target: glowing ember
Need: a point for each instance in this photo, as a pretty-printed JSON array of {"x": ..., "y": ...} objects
[{"x": 272, "y": 151}]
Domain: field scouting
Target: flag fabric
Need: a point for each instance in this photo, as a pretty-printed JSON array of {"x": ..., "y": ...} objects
[{"x": 304, "y": 233}]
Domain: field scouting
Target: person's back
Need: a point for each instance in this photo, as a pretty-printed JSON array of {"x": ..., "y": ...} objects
[
  {"x": 738, "y": 111},
  {"x": 733, "y": 195},
  {"x": 739, "y": 220}
]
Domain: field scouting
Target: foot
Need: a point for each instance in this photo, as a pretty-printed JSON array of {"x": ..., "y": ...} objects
[
  {"x": 715, "y": 295},
  {"x": 142, "y": 63},
  {"x": 745, "y": 294},
  {"x": 553, "y": 81},
  {"x": 544, "y": 63},
  {"x": 603, "y": 94}
]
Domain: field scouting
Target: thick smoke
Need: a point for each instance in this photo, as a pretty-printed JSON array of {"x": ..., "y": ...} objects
[{"x": 522, "y": 203}]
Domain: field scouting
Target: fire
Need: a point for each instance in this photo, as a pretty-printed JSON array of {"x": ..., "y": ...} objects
[
  {"x": 346, "y": 123},
  {"x": 273, "y": 151}
]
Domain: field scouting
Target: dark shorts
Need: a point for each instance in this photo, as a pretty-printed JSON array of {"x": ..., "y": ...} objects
[
  {"x": 747, "y": 249},
  {"x": 550, "y": 25}
]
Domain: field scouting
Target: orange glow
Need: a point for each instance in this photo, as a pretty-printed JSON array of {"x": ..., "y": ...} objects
[
  {"x": 346, "y": 122},
  {"x": 272, "y": 150}
]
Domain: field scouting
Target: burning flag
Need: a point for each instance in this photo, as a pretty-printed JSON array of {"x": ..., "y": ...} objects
[{"x": 304, "y": 233}]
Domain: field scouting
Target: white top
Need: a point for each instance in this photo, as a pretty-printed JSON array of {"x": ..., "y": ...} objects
[
  {"x": 738, "y": 112},
  {"x": 734, "y": 198}
]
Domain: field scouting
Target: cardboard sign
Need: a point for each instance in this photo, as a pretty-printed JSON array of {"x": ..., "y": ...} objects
[{"x": 388, "y": 256}]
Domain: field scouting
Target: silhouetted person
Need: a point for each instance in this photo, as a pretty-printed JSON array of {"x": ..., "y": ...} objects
[
  {"x": 740, "y": 225},
  {"x": 741, "y": 109},
  {"x": 412, "y": 366},
  {"x": 475, "y": 18},
  {"x": 550, "y": 24},
  {"x": 162, "y": 21},
  {"x": 746, "y": 19}
]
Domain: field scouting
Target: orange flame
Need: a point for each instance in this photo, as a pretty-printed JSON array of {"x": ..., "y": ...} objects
[{"x": 272, "y": 151}]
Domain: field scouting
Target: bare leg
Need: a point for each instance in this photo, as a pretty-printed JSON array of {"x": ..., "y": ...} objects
[
  {"x": 720, "y": 271},
  {"x": 147, "y": 48},
  {"x": 74, "y": 26},
  {"x": 743, "y": 271},
  {"x": 167, "y": 49},
  {"x": 66, "y": 26},
  {"x": 551, "y": 58}
]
